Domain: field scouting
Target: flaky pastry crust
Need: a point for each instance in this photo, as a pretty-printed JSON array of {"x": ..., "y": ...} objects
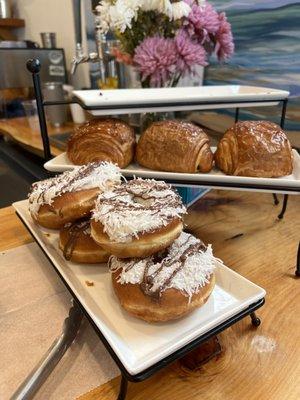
[
  {"x": 103, "y": 139},
  {"x": 175, "y": 146},
  {"x": 255, "y": 148}
]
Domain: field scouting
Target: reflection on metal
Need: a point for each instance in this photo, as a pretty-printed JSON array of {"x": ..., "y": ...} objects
[
  {"x": 102, "y": 56},
  {"x": 46, "y": 365}
]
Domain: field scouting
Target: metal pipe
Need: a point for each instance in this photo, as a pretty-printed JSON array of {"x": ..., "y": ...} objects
[{"x": 40, "y": 373}]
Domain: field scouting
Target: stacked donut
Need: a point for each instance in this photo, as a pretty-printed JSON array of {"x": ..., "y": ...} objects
[
  {"x": 159, "y": 272},
  {"x": 65, "y": 202}
]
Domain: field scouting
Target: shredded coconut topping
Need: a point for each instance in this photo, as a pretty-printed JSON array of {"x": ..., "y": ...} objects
[
  {"x": 186, "y": 265},
  {"x": 136, "y": 207},
  {"x": 102, "y": 175}
]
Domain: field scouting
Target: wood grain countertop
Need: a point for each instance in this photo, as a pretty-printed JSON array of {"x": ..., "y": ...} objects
[
  {"x": 28, "y": 134},
  {"x": 256, "y": 363}
]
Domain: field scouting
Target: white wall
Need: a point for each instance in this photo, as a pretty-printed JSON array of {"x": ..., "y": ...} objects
[{"x": 52, "y": 16}]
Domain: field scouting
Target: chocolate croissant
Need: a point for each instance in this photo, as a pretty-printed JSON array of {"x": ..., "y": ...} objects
[
  {"x": 104, "y": 139},
  {"x": 175, "y": 146},
  {"x": 255, "y": 148}
]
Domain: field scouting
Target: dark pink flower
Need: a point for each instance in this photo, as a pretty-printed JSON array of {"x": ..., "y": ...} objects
[
  {"x": 155, "y": 58},
  {"x": 224, "y": 39},
  {"x": 202, "y": 21},
  {"x": 189, "y": 53}
]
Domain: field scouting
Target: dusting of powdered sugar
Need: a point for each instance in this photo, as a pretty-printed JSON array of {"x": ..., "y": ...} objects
[
  {"x": 192, "y": 274},
  {"x": 138, "y": 206},
  {"x": 102, "y": 175}
]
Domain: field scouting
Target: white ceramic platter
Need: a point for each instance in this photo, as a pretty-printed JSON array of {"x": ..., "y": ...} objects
[
  {"x": 179, "y": 98},
  {"x": 138, "y": 344},
  {"x": 62, "y": 163}
]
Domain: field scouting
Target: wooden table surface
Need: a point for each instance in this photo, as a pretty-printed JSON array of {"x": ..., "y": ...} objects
[
  {"x": 256, "y": 363},
  {"x": 20, "y": 130}
]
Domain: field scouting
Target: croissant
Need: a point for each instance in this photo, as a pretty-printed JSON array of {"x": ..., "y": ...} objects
[
  {"x": 105, "y": 139},
  {"x": 176, "y": 146},
  {"x": 255, "y": 148}
]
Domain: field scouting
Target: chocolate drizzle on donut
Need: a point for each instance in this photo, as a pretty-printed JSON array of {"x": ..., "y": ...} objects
[
  {"x": 148, "y": 280},
  {"x": 74, "y": 230},
  {"x": 186, "y": 265},
  {"x": 97, "y": 175},
  {"x": 136, "y": 207}
]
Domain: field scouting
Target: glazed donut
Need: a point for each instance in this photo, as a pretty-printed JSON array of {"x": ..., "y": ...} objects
[
  {"x": 71, "y": 195},
  {"x": 77, "y": 245},
  {"x": 167, "y": 285},
  {"x": 137, "y": 218}
]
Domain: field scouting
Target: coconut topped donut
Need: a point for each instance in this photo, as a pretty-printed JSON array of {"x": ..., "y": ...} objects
[
  {"x": 77, "y": 245},
  {"x": 135, "y": 208},
  {"x": 94, "y": 175},
  {"x": 168, "y": 284},
  {"x": 186, "y": 265}
]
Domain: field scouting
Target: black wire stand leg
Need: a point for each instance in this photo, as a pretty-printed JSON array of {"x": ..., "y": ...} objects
[
  {"x": 275, "y": 198},
  {"x": 297, "y": 272},
  {"x": 285, "y": 199},
  {"x": 254, "y": 319},
  {"x": 123, "y": 388},
  {"x": 283, "y": 113},
  {"x": 237, "y": 114},
  {"x": 284, "y": 206},
  {"x": 34, "y": 67}
]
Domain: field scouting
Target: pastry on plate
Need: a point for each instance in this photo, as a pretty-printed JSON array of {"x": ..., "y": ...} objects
[
  {"x": 137, "y": 219},
  {"x": 102, "y": 139},
  {"x": 175, "y": 146},
  {"x": 168, "y": 284},
  {"x": 255, "y": 148},
  {"x": 71, "y": 195},
  {"x": 77, "y": 245}
]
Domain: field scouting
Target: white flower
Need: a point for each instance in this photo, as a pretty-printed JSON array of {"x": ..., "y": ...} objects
[
  {"x": 104, "y": 18},
  {"x": 161, "y": 6},
  {"x": 118, "y": 15},
  {"x": 180, "y": 9}
]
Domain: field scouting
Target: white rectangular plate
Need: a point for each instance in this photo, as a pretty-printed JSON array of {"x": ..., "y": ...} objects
[
  {"x": 62, "y": 163},
  {"x": 170, "y": 98},
  {"x": 138, "y": 344}
]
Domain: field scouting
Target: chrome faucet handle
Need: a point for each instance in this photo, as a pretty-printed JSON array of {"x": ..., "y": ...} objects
[{"x": 78, "y": 58}]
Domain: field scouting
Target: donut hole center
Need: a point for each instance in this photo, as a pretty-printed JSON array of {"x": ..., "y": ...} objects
[{"x": 143, "y": 202}]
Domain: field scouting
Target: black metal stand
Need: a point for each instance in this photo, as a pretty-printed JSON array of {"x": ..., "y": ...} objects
[
  {"x": 34, "y": 66},
  {"x": 123, "y": 388},
  {"x": 254, "y": 319},
  {"x": 297, "y": 272},
  {"x": 275, "y": 198},
  {"x": 286, "y": 197},
  {"x": 237, "y": 113},
  {"x": 284, "y": 206}
]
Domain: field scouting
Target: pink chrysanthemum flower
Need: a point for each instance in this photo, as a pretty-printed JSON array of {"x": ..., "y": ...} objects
[
  {"x": 202, "y": 21},
  {"x": 224, "y": 39},
  {"x": 189, "y": 53},
  {"x": 155, "y": 58}
]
